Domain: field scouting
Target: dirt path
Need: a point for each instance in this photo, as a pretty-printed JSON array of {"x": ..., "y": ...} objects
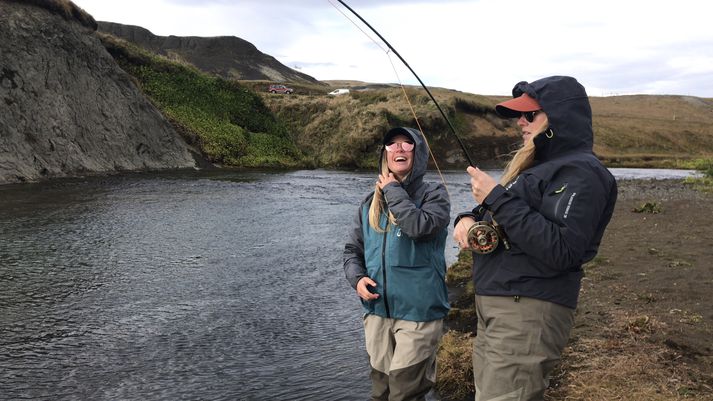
[{"x": 645, "y": 316}]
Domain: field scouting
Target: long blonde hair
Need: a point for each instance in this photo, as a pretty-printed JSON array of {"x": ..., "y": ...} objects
[
  {"x": 522, "y": 158},
  {"x": 378, "y": 202}
]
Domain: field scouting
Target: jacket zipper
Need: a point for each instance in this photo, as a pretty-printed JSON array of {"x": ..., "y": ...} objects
[
  {"x": 383, "y": 272},
  {"x": 562, "y": 192}
]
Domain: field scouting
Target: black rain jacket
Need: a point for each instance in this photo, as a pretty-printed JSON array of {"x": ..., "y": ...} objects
[{"x": 554, "y": 212}]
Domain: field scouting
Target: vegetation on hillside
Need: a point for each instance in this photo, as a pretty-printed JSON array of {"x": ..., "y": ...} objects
[
  {"x": 629, "y": 131},
  {"x": 345, "y": 131},
  {"x": 228, "y": 122},
  {"x": 653, "y": 131},
  {"x": 239, "y": 123}
]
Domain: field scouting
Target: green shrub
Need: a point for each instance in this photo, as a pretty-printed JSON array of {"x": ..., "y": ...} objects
[
  {"x": 648, "y": 207},
  {"x": 232, "y": 123}
]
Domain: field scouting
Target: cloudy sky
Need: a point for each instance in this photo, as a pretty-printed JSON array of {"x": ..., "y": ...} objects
[{"x": 613, "y": 47}]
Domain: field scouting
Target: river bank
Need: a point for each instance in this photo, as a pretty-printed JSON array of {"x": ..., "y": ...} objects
[{"x": 644, "y": 322}]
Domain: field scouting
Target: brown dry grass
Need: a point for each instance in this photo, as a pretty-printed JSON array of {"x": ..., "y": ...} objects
[
  {"x": 630, "y": 131},
  {"x": 625, "y": 364},
  {"x": 622, "y": 362}
]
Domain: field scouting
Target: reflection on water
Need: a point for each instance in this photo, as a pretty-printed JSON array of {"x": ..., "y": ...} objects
[{"x": 184, "y": 285}]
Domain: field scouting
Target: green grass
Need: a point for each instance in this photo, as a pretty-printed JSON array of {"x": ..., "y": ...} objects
[
  {"x": 231, "y": 122},
  {"x": 705, "y": 166}
]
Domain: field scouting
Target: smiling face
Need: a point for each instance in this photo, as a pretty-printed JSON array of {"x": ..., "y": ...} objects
[{"x": 399, "y": 160}]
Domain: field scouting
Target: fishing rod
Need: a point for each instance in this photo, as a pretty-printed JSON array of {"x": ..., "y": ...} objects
[
  {"x": 483, "y": 236},
  {"x": 462, "y": 146}
]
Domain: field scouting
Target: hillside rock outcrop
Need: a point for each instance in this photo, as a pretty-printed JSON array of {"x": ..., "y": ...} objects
[
  {"x": 229, "y": 57},
  {"x": 66, "y": 108}
]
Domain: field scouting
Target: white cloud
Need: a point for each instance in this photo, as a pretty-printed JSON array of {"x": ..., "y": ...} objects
[{"x": 486, "y": 46}]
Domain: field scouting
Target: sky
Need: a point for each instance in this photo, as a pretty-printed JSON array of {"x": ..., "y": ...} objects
[{"x": 612, "y": 47}]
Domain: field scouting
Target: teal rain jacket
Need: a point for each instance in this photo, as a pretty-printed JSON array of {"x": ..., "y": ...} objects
[{"x": 407, "y": 261}]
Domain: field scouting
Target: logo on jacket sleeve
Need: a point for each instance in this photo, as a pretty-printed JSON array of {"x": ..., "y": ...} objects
[{"x": 569, "y": 204}]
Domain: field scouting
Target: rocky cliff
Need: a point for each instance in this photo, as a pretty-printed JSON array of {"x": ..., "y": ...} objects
[
  {"x": 66, "y": 108},
  {"x": 226, "y": 56}
]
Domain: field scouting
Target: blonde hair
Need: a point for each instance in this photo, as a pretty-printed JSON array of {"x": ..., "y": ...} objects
[
  {"x": 522, "y": 158},
  {"x": 378, "y": 202}
]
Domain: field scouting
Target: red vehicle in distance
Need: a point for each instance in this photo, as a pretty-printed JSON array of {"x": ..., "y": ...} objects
[{"x": 280, "y": 89}]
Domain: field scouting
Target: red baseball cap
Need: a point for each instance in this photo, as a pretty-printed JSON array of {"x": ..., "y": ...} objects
[{"x": 514, "y": 107}]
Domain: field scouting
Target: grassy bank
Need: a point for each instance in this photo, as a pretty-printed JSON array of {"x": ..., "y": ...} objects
[{"x": 228, "y": 122}]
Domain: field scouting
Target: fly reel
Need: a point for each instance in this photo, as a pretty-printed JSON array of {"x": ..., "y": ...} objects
[{"x": 484, "y": 237}]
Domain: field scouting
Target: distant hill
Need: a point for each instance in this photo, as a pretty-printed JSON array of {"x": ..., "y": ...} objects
[{"x": 229, "y": 57}]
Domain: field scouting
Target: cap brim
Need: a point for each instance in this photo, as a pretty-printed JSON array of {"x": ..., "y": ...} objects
[
  {"x": 513, "y": 107},
  {"x": 396, "y": 131}
]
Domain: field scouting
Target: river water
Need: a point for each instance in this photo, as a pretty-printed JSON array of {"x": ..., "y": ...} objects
[{"x": 215, "y": 285}]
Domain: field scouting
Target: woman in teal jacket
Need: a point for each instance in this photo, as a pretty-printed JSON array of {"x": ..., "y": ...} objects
[{"x": 395, "y": 261}]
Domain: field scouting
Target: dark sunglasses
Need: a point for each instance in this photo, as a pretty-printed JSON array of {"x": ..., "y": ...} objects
[
  {"x": 530, "y": 115},
  {"x": 394, "y": 146}
]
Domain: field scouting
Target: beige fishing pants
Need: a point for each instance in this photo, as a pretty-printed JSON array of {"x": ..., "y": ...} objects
[
  {"x": 519, "y": 342},
  {"x": 402, "y": 355}
]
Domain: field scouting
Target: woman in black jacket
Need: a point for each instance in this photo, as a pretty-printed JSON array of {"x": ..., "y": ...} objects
[{"x": 552, "y": 205}]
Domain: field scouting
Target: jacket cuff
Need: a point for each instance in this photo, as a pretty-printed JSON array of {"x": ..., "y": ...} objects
[
  {"x": 476, "y": 214},
  {"x": 389, "y": 187},
  {"x": 494, "y": 198},
  {"x": 461, "y": 215},
  {"x": 353, "y": 281}
]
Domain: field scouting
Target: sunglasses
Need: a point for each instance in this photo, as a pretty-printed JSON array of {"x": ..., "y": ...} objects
[
  {"x": 530, "y": 115},
  {"x": 405, "y": 146}
]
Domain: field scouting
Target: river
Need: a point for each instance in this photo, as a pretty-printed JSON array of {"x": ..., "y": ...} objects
[{"x": 213, "y": 285}]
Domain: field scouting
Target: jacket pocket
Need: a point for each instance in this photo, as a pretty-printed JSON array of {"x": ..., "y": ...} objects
[
  {"x": 417, "y": 293},
  {"x": 403, "y": 251}
]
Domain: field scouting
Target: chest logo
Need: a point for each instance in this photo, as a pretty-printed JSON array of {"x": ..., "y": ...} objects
[{"x": 559, "y": 191}]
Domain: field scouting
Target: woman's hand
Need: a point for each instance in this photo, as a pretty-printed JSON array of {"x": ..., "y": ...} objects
[
  {"x": 363, "y": 291},
  {"x": 480, "y": 184},
  {"x": 385, "y": 180},
  {"x": 460, "y": 232}
]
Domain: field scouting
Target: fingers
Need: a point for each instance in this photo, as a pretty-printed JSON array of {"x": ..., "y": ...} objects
[
  {"x": 460, "y": 232},
  {"x": 368, "y": 281},
  {"x": 385, "y": 179},
  {"x": 363, "y": 291}
]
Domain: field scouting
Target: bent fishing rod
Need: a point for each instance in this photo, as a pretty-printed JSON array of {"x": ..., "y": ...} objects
[
  {"x": 462, "y": 146},
  {"x": 483, "y": 236}
]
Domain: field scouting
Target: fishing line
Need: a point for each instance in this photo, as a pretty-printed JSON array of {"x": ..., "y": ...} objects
[
  {"x": 483, "y": 236},
  {"x": 403, "y": 89},
  {"x": 462, "y": 146}
]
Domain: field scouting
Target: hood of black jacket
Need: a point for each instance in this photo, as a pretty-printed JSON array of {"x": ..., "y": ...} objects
[{"x": 569, "y": 113}]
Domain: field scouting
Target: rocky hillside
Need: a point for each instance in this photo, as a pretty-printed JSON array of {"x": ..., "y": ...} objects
[
  {"x": 226, "y": 56},
  {"x": 66, "y": 106}
]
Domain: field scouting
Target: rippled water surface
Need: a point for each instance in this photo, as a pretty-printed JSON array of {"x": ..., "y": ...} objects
[{"x": 185, "y": 285}]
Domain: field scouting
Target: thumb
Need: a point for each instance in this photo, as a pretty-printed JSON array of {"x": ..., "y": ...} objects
[{"x": 472, "y": 171}]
